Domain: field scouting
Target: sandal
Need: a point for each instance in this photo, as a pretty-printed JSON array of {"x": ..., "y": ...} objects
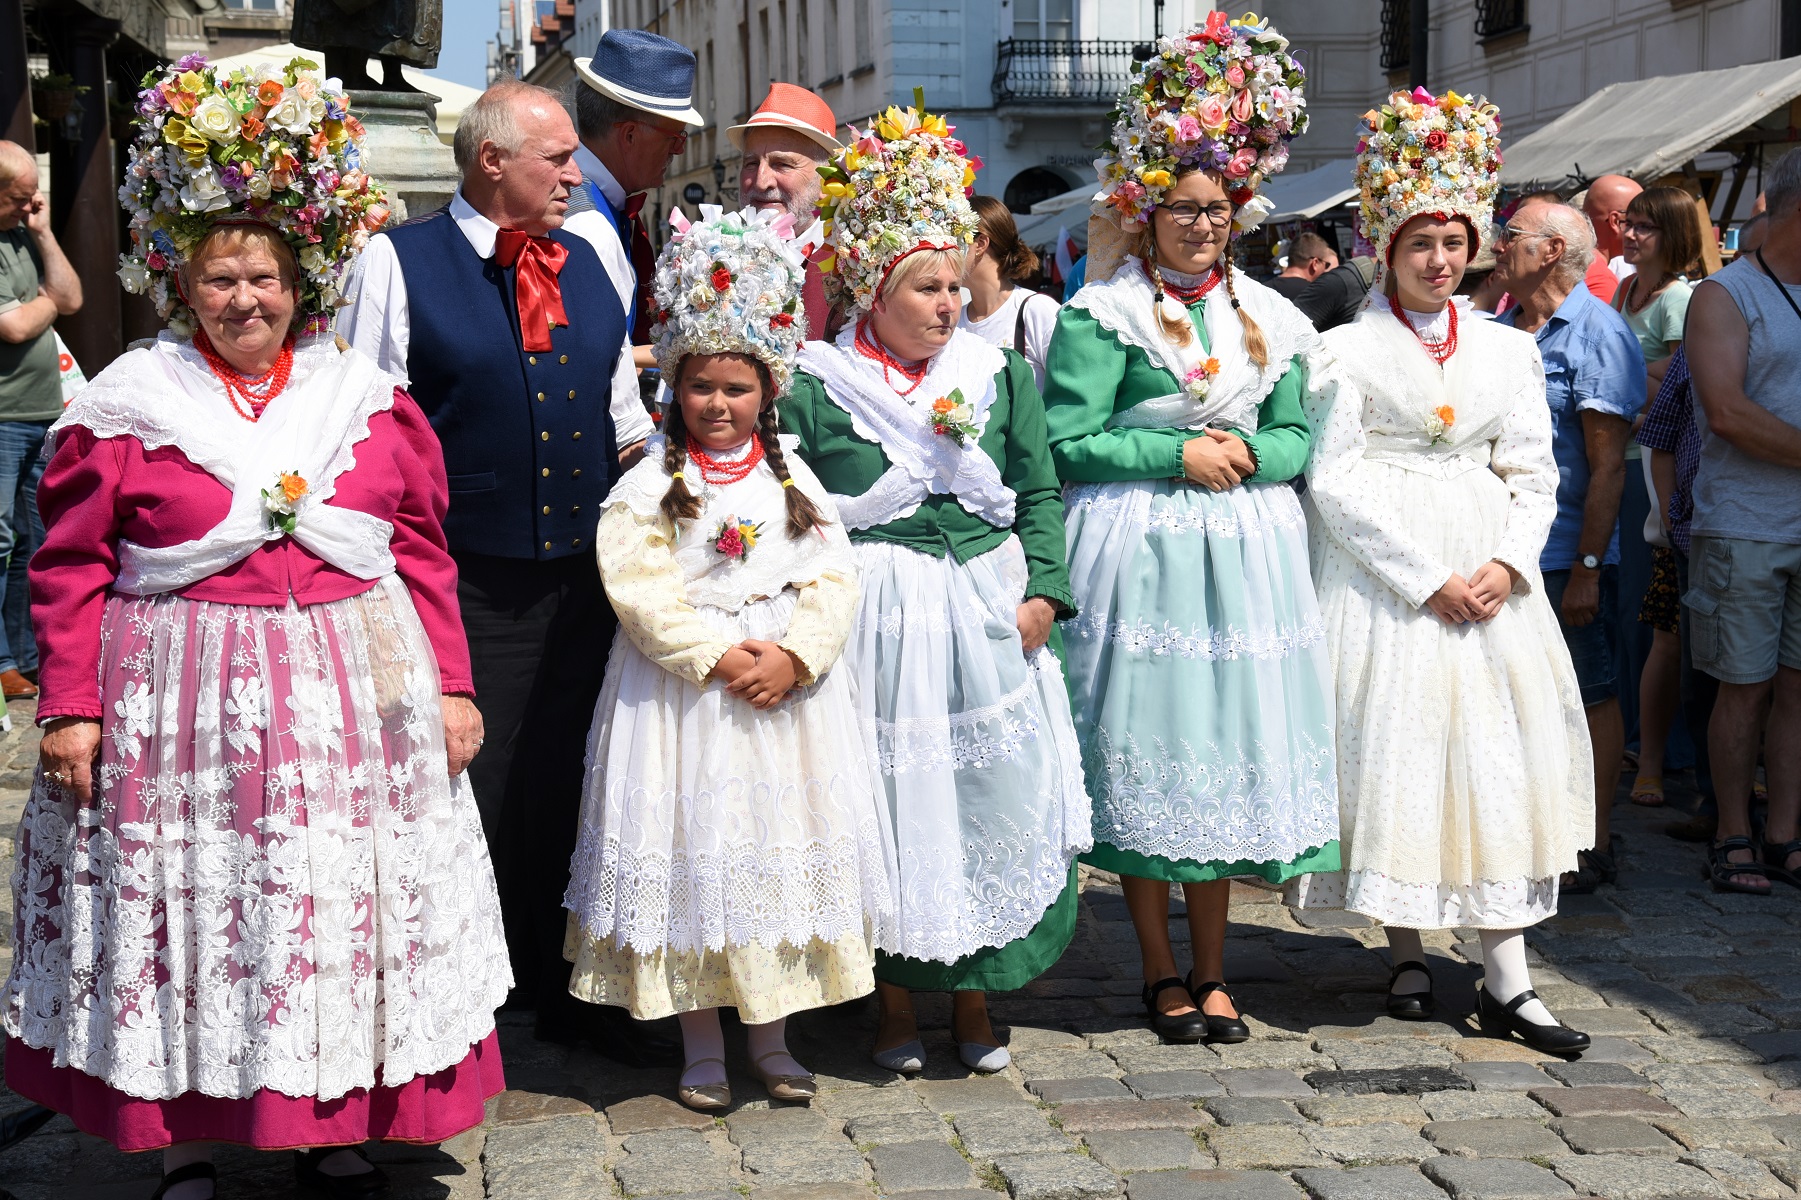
[
  {"x": 1775, "y": 861},
  {"x": 1647, "y": 791},
  {"x": 1720, "y": 871},
  {"x": 1593, "y": 869}
]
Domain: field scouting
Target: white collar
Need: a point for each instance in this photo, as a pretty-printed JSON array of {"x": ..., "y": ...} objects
[
  {"x": 480, "y": 231},
  {"x": 593, "y": 168}
]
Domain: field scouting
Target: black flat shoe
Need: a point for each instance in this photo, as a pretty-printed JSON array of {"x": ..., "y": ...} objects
[
  {"x": 1187, "y": 1028},
  {"x": 1411, "y": 1006},
  {"x": 1503, "y": 1021},
  {"x": 307, "y": 1173},
  {"x": 188, "y": 1174},
  {"x": 1226, "y": 1030}
]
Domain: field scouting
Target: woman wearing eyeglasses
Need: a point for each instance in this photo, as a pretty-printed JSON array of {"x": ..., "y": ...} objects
[{"x": 1173, "y": 387}]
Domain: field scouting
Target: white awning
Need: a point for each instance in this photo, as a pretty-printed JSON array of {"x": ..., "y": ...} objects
[
  {"x": 453, "y": 98},
  {"x": 1069, "y": 199},
  {"x": 1299, "y": 197},
  {"x": 1649, "y": 127},
  {"x": 1040, "y": 229}
]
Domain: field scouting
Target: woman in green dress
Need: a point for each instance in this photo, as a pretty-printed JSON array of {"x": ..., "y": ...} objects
[
  {"x": 1173, "y": 395},
  {"x": 933, "y": 443}
]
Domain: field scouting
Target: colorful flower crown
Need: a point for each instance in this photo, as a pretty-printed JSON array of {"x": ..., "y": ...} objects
[
  {"x": 901, "y": 186},
  {"x": 276, "y": 146},
  {"x": 1426, "y": 154},
  {"x": 730, "y": 283},
  {"x": 1224, "y": 96}
]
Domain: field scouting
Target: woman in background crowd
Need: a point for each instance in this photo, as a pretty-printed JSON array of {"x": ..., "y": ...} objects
[{"x": 1002, "y": 311}]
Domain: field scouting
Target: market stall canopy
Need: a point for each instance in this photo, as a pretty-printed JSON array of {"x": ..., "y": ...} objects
[
  {"x": 1066, "y": 200},
  {"x": 1649, "y": 127},
  {"x": 1040, "y": 229},
  {"x": 453, "y": 98},
  {"x": 1299, "y": 197}
]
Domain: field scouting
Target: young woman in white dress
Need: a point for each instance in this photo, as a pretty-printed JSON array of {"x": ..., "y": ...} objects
[
  {"x": 731, "y": 850},
  {"x": 1002, "y": 310},
  {"x": 1463, "y": 757}
]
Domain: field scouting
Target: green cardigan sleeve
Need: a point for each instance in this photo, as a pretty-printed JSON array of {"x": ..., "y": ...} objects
[
  {"x": 1082, "y": 376},
  {"x": 1038, "y": 497},
  {"x": 1283, "y": 439}
]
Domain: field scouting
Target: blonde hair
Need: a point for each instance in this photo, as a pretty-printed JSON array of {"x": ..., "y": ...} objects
[
  {"x": 231, "y": 236},
  {"x": 908, "y": 270},
  {"x": 1181, "y": 332}
]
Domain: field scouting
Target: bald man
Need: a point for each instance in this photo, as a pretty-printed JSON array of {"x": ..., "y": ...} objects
[
  {"x": 1605, "y": 206},
  {"x": 37, "y": 285}
]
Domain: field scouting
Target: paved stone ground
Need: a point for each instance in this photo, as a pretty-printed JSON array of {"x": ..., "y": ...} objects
[{"x": 1692, "y": 1089}]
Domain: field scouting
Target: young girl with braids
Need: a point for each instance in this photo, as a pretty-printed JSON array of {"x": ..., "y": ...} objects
[
  {"x": 1173, "y": 396},
  {"x": 730, "y": 851}
]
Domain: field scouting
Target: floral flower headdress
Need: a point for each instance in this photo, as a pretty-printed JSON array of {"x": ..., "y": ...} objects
[
  {"x": 903, "y": 185},
  {"x": 267, "y": 145},
  {"x": 730, "y": 283},
  {"x": 1224, "y": 96},
  {"x": 1422, "y": 153}
]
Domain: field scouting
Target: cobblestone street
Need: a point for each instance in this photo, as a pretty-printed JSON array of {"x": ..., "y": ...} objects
[{"x": 1692, "y": 1088}]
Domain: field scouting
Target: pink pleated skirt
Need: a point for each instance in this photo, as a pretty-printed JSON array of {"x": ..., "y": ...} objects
[{"x": 425, "y": 1109}]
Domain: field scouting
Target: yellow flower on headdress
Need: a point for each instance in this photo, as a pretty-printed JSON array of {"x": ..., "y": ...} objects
[
  {"x": 891, "y": 125},
  {"x": 936, "y": 126},
  {"x": 1157, "y": 178}
]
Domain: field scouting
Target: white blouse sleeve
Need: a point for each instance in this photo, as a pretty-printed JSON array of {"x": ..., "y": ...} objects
[
  {"x": 1523, "y": 460},
  {"x": 1041, "y": 323},
  {"x": 1346, "y": 494},
  {"x": 375, "y": 319},
  {"x": 644, "y": 583}
]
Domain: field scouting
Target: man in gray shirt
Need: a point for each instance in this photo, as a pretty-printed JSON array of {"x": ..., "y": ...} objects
[
  {"x": 37, "y": 285},
  {"x": 1743, "y": 342}
]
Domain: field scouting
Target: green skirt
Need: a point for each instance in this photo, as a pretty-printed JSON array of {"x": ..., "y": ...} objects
[
  {"x": 994, "y": 968},
  {"x": 1187, "y": 870}
]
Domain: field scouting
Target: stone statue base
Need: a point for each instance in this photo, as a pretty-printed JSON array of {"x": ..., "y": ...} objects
[{"x": 402, "y": 149}]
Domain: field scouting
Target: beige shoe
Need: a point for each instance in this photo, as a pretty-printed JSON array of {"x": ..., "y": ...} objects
[
  {"x": 786, "y": 1087},
  {"x": 705, "y": 1097}
]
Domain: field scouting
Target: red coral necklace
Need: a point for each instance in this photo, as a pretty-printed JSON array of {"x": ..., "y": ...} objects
[
  {"x": 714, "y": 471},
  {"x": 255, "y": 393},
  {"x": 1188, "y": 296},
  {"x": 868, "y": 347},
  {"x": 1440, "y": 352}
]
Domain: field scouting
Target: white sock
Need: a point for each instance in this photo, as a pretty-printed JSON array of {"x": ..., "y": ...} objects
[
  {"x": 1505, "y": 974},
  {"x": 702, "y": 1038},
  {"x": 1404, "y": 946},
  {"x": 345, "y": 1162},
  {"x": 180, "y": 1155},
  {"x": 772, "y": 1038}
]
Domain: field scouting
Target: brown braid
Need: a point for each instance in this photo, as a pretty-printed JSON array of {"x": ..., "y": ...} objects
[
  {"x": 1181, "y": 332},
  {"x": 679, "y": 504},
  {"x": 1254, "y": 342},
  {"x": 803, "y": 515}
]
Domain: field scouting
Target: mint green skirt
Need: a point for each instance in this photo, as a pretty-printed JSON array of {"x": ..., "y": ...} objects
[
  {"x": 1188, "y": 870},
  {"x": 993, "y": 968}
]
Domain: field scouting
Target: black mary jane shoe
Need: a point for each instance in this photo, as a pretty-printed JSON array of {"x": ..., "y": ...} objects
[
  {"x": 188, "y": 1174},
  {"x": 1499, "y": 1020},
  {"x": 306, "y": 1170},
  {"x": 1184, "y": 1028},
  {"x": 1223, "y": 1030},
  {"x": 1411, "y": 1006}
]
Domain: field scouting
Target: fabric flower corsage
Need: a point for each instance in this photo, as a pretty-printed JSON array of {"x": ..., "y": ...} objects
[
  {"x": 954, "y": 417},
  {"x": 1439, "y": 422},
  {"x": 281, "y": 504},
  {"x": 735, "y": 538},
  {"x": 1199, "y": 380}
]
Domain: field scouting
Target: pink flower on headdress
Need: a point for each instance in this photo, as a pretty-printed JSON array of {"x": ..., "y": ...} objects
[
  {"x": 1244, "y": 106},
  {"x": 1188, "y": 129},
  {"x": 1213, "y": 113},
  {"x": 1241, "y": 163},
  {"x": 1235, "y": 75},
  {"x": 1422, "y": 96}
]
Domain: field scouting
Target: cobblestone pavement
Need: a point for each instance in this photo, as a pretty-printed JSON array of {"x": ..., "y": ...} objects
[{"x": 1692, "y": 1089}]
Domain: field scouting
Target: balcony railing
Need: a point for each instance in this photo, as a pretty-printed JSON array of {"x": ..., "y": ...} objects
[{"x": 1044, "y": 71}]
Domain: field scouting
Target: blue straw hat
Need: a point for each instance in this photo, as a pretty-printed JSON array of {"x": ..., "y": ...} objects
[{"x": 643, "y": 71}]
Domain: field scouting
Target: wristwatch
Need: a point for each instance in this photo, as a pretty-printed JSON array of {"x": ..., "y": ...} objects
[{"x": 1591, "y": 562}]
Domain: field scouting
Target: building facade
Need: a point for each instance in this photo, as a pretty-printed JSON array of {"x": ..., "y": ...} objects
[{"x": 1535, "y": 59}]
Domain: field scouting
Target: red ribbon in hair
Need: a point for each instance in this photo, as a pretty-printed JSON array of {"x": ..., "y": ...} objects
[{"x": 536, "y": 291}]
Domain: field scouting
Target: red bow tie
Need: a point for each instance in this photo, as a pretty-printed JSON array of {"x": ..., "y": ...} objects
[{"x": 536, "y": 290}]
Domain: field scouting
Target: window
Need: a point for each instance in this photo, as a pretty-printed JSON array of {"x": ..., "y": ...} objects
[
  {"x": 864, "y": 49},
  {"x": 1397, "y": 35},
  {"x": 781, "y": 23},
  {"x": 764, "y": 66},
  {"x": 1052, "y": 20},
  {"x": 267, "y": 6},
  {"x": 1495, "y": 18},
  {"x": 834, "y": 58},
  {"x": 801, "y": 57}
]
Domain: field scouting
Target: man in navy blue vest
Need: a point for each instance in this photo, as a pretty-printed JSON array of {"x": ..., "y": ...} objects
[{"x": 508, "y": 331}]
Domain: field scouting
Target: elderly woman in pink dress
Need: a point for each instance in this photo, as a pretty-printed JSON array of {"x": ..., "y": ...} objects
[{"x": 253, "y": 900}]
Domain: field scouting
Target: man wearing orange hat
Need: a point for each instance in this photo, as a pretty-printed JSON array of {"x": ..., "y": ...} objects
[{"x": 784, "y": 143}]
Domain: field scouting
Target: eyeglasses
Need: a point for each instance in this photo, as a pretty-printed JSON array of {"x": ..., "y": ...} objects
[
  {"x": 1639, "y": 228},
  {"x": 678, "y": 138},
  {"x": 1186, "y": 213},
  {"x": 1512, "y": 234}
]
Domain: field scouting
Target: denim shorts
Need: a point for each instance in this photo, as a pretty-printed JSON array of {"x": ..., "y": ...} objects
[
  {"x": 1744, "y": 605},
  {"x": 1594, "y": 647}
]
